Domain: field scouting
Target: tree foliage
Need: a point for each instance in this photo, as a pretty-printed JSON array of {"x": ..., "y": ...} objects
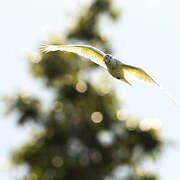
[{"x": 82, "y": 136}]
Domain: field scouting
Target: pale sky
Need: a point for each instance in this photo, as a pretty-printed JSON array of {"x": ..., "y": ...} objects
[{"x": 147, "y": 35}]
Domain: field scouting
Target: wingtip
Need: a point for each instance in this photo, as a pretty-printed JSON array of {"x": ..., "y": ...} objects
[
  {"x": 168, "y": 94},
  {"x": 44, "y": 48}
]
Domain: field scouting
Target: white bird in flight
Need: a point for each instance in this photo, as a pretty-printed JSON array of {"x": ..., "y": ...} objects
[{"x": 115, "y": 67}]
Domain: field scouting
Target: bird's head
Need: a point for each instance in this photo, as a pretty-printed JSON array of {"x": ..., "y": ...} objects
[{"x": 108, "y": 59}]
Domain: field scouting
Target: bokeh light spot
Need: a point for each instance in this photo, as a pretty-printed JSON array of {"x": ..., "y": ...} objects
[
  {"x": 58, "y": 106},
  {"x": 81, "y": 87},
  {"x": 122, "y": 114},
  {"x": 105, "y": 137},
  {"x": 34, "y": 57},
  {"x": 57, "y": 161},
  {"x": 131, "y": 124},
  {"x": 96, "y": 117},
  {"x": 147, "y": 124}
]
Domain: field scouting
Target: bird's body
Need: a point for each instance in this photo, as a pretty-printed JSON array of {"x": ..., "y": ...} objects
[{"x": 115, "y": 67}]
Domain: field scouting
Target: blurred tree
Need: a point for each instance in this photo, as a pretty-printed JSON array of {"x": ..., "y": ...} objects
[{"x": 84, "y": 134}]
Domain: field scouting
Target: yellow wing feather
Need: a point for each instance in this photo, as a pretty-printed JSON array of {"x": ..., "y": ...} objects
[
  {"x": 86, "y": 51},
  {"x": 138, "y": 73},
  {"x": 142, "y": 75}
]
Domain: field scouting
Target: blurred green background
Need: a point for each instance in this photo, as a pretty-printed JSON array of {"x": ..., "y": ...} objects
[{"x": 80, "y": 128}]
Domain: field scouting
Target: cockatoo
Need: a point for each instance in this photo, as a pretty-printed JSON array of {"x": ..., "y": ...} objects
[{"x": 114, "y": 66}]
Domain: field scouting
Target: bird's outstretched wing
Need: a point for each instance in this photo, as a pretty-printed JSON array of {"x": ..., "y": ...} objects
[
  {"x": 138, "y": 74},
  {"x": 142, "y": 75},
  {"x": 86, "y": 51}
]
